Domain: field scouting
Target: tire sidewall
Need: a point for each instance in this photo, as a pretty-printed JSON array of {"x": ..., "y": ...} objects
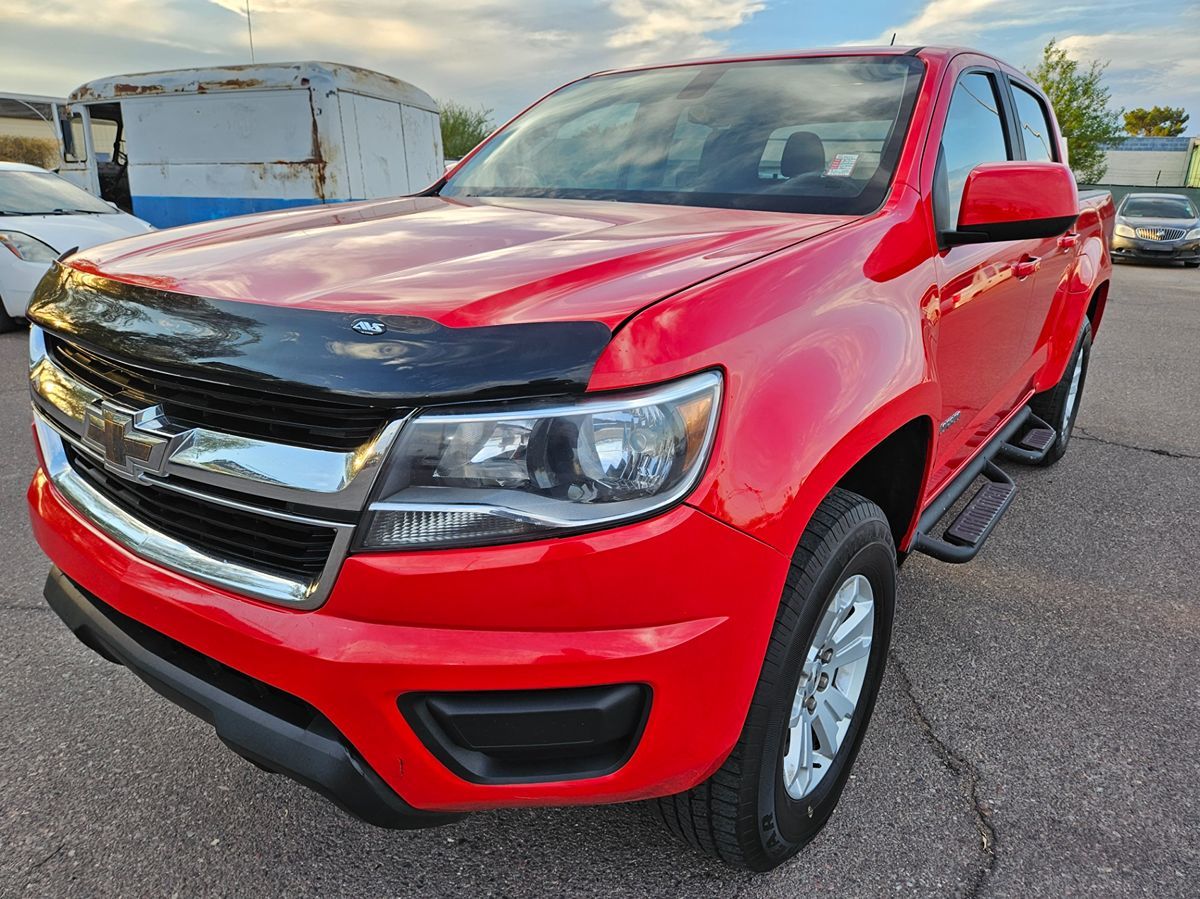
[
  {"x": 785, "y": 824},
  {"x": 1084, "y": 347}
]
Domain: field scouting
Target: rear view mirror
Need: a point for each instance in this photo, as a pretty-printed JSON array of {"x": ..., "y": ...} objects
[{"x": 1015, "y": 201}]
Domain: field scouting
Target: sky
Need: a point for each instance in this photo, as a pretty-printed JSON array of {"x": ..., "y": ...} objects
[{"x": 503, "y": 54}]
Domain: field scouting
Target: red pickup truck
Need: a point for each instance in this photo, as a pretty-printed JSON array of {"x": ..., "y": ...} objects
[{"x": 584, "y": 475}]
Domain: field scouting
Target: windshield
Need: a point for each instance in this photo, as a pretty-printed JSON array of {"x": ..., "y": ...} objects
[
  {"x": 801, "y": 135},
  {"x": 1159, "y": 208},
  {"x": 43, "y": 193}
]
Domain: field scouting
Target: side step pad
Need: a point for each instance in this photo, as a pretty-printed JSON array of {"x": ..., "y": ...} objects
[
  {"x": 1038, "y": 439},
  {"x": 1033, "y": 445},
  {"x": 981, "y": 514},
  {"x": 964, "y": 538}
]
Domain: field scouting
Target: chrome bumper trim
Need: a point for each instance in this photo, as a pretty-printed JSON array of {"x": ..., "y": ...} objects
[{"x": 175, "y": 555}]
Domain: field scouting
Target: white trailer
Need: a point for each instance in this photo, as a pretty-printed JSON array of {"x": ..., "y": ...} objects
[
  {"x": 34, "y": 119},
  {"x": 194, "y": 144}
]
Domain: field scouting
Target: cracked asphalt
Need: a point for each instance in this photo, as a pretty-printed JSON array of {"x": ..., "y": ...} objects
[{"x": 1038, "y": 732}]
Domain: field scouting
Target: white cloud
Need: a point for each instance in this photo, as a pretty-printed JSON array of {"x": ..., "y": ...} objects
[
  {"x": 501, "y": 53},
  {"x": 655, "y": 26},
  {"x": 1152, "y": 52},
  {"x": 1171, "y": 52},
  {"x": 946, "y": 22}
]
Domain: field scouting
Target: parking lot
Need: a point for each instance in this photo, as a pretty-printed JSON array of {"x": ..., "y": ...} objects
[{"x": 1038, "y": 733}]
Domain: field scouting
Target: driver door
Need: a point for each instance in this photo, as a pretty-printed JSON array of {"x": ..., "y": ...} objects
[{"x": 985, "y": 288}]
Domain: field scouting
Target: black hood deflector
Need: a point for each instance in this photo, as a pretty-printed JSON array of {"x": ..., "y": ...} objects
[{"x": 415, "y": 361}]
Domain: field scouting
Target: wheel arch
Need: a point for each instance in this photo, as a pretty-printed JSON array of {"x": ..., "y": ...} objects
[
  {"x": 893, "y": 473},
  {"x": 886, "y": 458},
  {"x": 1096, "y": 306}
]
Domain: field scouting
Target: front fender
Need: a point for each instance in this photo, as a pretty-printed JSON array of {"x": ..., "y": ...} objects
[{"x": 823, "y": 360}]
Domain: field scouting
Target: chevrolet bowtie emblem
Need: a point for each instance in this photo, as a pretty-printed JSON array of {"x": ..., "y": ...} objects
[{"x": 113, "y": 432}]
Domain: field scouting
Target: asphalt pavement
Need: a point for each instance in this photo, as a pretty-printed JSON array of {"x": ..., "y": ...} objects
[{"x": 1038, "y": 732}]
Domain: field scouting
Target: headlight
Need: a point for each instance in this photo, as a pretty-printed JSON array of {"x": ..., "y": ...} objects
[
  {"x": 521, "y": 472},
  {"x": 27, "y": 248},
  {"x": 1194, "y": 234},
  {"x": 1124, "y": 231}
]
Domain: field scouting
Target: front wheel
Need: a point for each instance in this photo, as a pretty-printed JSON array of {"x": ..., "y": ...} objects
[
  {"x": 1059, "y": 406},
  {"x": 815, "y": 695}
]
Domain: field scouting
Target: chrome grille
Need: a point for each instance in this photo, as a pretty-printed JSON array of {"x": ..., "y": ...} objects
[
  {"x": 1160, "y": 233},
  {"x": 270, "y": 519},
  {"x": 282, "y": 546}
]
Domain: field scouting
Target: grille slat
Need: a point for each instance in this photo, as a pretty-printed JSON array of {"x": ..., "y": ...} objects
[
  {"x": 273, "y": 545},
  {"x": 244, "y": 412},
  {"x": 1160, "y": 233}
]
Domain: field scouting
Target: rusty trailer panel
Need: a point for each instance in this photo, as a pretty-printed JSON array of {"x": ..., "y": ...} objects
[{"x": 208, "y": 143}]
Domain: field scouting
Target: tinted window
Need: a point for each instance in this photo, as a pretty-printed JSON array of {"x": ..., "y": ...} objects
[
  {"x": 974, "y": 133},
  {"x": 1159, "y": 208},
  {"x": 805, "y": 135},
  {"x": 1036, "y": 131}
]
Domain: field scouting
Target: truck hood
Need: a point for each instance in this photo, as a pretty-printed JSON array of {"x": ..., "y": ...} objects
[
  {"x": 399, "y": 303},
  {"x": 461, "y": 263}
]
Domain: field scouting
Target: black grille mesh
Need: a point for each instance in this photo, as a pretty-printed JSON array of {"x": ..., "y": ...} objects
[
  {"x": 274, "y": 545},
  {"x": 245, "y": 412}
]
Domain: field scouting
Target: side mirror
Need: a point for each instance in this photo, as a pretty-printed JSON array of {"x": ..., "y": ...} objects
[{"x": 1015, "y": 201}]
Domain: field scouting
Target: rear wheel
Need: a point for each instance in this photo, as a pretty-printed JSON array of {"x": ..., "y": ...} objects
[
  {"x": 815, "y": 695},
  {"x": 1059, "y": 406},
  {"x": 1192, "y": 263}
]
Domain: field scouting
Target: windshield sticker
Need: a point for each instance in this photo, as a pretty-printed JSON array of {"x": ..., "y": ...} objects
[{"x": 842, "y": 165}]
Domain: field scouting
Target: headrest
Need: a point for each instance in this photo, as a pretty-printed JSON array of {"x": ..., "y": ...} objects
[{"x": 803, "y": 153}]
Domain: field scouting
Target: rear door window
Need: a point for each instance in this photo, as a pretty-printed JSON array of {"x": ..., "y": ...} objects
[{"x": 1036, "y": 132}]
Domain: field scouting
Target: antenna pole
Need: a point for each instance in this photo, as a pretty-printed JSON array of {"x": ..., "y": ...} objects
[
  {"x": 250, "y": 30},
  {"x": 892, "y": 44}
]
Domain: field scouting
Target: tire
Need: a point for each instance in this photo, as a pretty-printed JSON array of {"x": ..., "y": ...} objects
[
  {"x": 1057, "y": 406},
  {"x": 744, "y": 814},
  {"x": 1190, "y": 264}
]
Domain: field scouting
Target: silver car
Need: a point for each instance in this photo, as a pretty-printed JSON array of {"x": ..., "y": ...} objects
[{"x": 1165, "y": 227}]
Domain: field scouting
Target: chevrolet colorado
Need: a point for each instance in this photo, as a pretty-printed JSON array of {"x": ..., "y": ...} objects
[{"x": 584, "y": 475}]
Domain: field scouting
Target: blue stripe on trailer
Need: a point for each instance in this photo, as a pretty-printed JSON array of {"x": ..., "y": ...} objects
[{"x": 165, "y": 212}]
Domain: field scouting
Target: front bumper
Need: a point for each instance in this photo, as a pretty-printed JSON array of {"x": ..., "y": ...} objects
[
  {"x": 1163, "y": 250},
  {"x": 270, "y": 729},
  {"x": 681, "y": 603}
]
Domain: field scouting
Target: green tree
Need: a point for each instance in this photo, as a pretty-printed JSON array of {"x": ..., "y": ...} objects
[
  {"x": 1161, "y": 121},
  {"x": 1082, "y": 105},
  {"x": 463, "y": 127}
]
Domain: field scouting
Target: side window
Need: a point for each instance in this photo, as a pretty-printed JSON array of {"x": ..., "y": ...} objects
[
  {"x": 1036, "y": 131},
  {"x": 974, "y": 133},
  {"x": 74, "y": 148}
]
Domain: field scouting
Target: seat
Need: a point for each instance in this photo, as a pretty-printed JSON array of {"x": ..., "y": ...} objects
[{"x": 728, "y": 162}]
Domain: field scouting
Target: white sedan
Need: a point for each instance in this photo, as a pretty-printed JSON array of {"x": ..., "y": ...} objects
[{"x": 42, "y": 216}]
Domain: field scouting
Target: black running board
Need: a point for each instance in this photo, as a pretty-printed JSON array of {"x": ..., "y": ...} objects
[{"x": 966, "y": 535}]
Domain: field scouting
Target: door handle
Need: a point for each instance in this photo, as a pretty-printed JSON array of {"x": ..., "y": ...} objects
[
  {"x": 1068, "y": 240},
  {"x": 1026, "y": 266}
]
